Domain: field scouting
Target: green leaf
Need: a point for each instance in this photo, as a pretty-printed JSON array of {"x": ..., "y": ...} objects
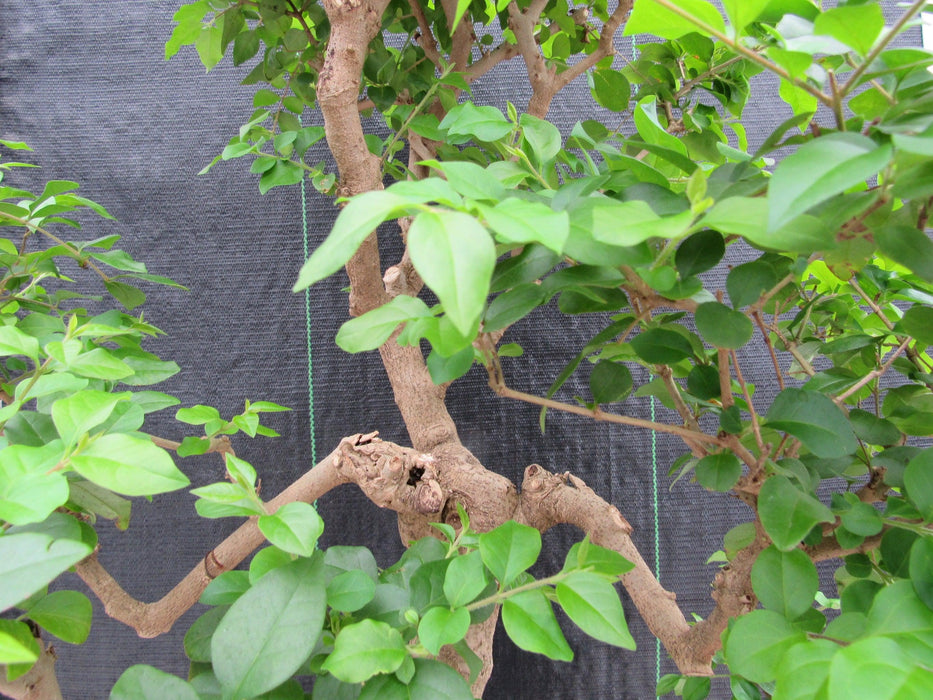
[
  {"x": 364, "y": 649},
  {"x": 446, "y": 369},
  {"x": 918, "y": 480},
  {"x": 804, "y": 670},
  {"x": 372, "y": 329},
  {"x": 756, "y": 644},
  {"x": 747, "y": 282},
  {"x": 741, "y": 13},
  {"x": 29, "y": 561},
  {"x": 719, "y": 472},
  {"x": 198, "y": 637},
  {"x": 30, "y": 487},
  {"x": 661, "y": 346},
  {"x": 917, "y": 322},
  {"x": 594, "y": 606},
  {"x": 821, "y": 169},
  {"x": 76, "y": 414},
  {"x": 610, "y": 382},
  {"x": 441, "y": 626},
  {"x": 529, "y": 621},
  {"x": 128, "y": 464},
  {"x": 908, "y": 246},
  {"x": 815, "y": 420},
  {"x": 465, "y": 579},
  {"x": 785, "y": 582},
  {"x": 66, "y": 614},
  {"x": 432, "y": 680},
  {"x": 226, "y": 588},
  {"x": 589, "y": 556},
  {"x": 294, "y": 528},
  {"x": 483, "y": 123},
  {"x": 355, "y": 223},
  {"x": 147, "y": 683},
  {"x": 520, "y": 221},
  {"x": 652, "y": 18},
  {"x": 722, "y": 327},
  {"x": 455, "y": 257},
  {"x": 17, "y": 645},
  {"x": 787, "y": 513},
  {"x": 14, "y": 342},
  {"x": 896, "y": 609},
  {"x": 270, "y": 630},
  {"x": 610, "y": 88},
  {"x": 921, "y": 569},
  {"x": 508, "y": 550},
  {"x": 698, "y": 253},
  {"x": 224, "y": 500},
  {"x": 542, "y": 136},
  {"x": 878, "y": 664},
  {"x": 512, "y": 306},
  {"x": 350, "y": 591},
  {"x": 872, "y": 429},
  {"x": 857, "y": 26}
]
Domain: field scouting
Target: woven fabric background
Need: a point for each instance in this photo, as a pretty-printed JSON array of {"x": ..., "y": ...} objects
[{"x": 85, "y": 84}]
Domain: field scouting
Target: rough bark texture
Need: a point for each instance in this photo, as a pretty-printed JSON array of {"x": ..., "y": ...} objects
[{"x": 39, "y": 683}]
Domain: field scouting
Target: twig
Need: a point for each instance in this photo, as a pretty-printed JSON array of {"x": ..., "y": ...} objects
[
  {"x": 756, "y": 316},
  {"x": 748, "y": 400},
  {"x": 874, "y": 374}
]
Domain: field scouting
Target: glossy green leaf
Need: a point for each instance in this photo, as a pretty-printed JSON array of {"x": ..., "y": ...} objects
[
  {"x": 653, "y": 18},
  {"x": 66, "y": 614},
  {"x": 815, "y": 420},
  {"x": 878, "y": 664},
  {"x": 372, "y": 329},
  {"x": 441, "y": 626},
  {"x": 787, "y": 513},
  {"x": 128, "y": 464},
  {"x": 509, "y": 550},
  {"x": 804, "y": 670},
  {"x": 721, "y": 326},
  {"x": 718, "y": 472},
  {"x": 918, "y": 480},
  {"x": 356, "y": 221},
  {"x": 857, "y": 26},
  {"x": 142, "y": 682},
  {"x": 294, "y": 528},
  {"x": 520, "y": 221},
  {"x": 757, "y": 643},
  {"x": 350, "y": 591},
  {"x": 819, "y": 170},
  {"x": 455, "y": 256},
  {"x": 785, "y": 582},
  {"x": 610, "y": 382},
  {"x": 610, "y": 89},
  {"x": 271, "y": 629},
  {"x": 364, "y": 649},
  {"x": 593, "y": 604},
  {"x": 529, "y": 621},
  {"x": 661, "y": 346},
  {"x": 17, "y": 645},
  {"x": 29, "y": 561},
  {"x": 465, "y": 579}
]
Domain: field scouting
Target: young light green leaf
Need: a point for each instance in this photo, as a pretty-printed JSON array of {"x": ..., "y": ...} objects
[
  {"x": 295, "y": 528},
  {"x": 787, "y": 513},
  {"x": 593, "y": 604},
  {"x": 29, "y": 561},
  {"x": 455, "y": 256},
  {"x": 819, "y": 170},
  {"x": 66, "y": 614},
  {"x": 815, "y": 420},
  {"x": 519, "y": 221},
  {"x": 354, "y": 224},
  {"x": 653, "y": 18},
  {"x": 883, "y": 666},
  {"x": 785, "y": 582},
  {"x": 364, "y": 649},
  {"x": 30, "y": 487},
  {"x": 372, "y": 329},
  {"x": 350, "y": 590},
  {"x": 14, "y": 342},
  {"x": 757, "y": 642},
  {"x": 128, "y": 464},
  {"x": 804, "y": 670},
  {"x": 465, "y": 579},
  {"x": 441, "y": 626},
  {"x": 743, "y": 12},
  {"x": 270, "y": 630},
  {"x": 76, "y": 414},
  {"x": 508, "y": 550},
  {"x": 602, "y": 561},
  {"x": 147, "y": 683},
  {"x": 432, "y": 680},
  {"x": 529, "y": 621},
  {"x": 542, "y": 136},
  {"x": 857, "y": 26},
  {"x": 17, "y": 645}
]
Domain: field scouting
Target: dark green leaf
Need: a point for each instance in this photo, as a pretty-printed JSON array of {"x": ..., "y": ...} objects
[
  {"x": 785, "y": 582},
  {"x": 610, "y": 382},
  {"x": 721, "y": 326},
  {"x": 787, "y": 513},
  {"x": 756, "y": 644},
  {"x": 66, "y": 614},
  {"x": 700, "y": 252},
  {"x": 921, "y": 569},
  {"x": 747, "y": 282},
  {"x": 198, "y": 637},
  {"x": 918, "y": 480},
  {"x": 661, "y": 346},
  {"x": 719, "y": 472},
  {"x": 813, "y": 419},
  {"x": 147, "y": 683},
  {"x": 350, "y": 591},
  {"x": 610, "y": 88}
]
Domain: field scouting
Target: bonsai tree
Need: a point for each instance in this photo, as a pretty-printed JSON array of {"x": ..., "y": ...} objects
[{"x": 819, "y": 236}]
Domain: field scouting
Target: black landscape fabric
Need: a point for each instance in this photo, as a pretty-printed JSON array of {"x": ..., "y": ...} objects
[{"x": 87, "y": 86}]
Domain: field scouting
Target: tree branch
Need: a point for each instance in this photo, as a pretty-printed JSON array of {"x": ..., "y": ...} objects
[{"x": 39, "y": 683}]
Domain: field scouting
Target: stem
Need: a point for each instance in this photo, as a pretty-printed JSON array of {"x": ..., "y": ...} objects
[
  {"x": 74, "y": 252},
  {"x": 499, "y": 596},
  {"x": 748, "y": 400},
  {"x": 874, "y": 374}
]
